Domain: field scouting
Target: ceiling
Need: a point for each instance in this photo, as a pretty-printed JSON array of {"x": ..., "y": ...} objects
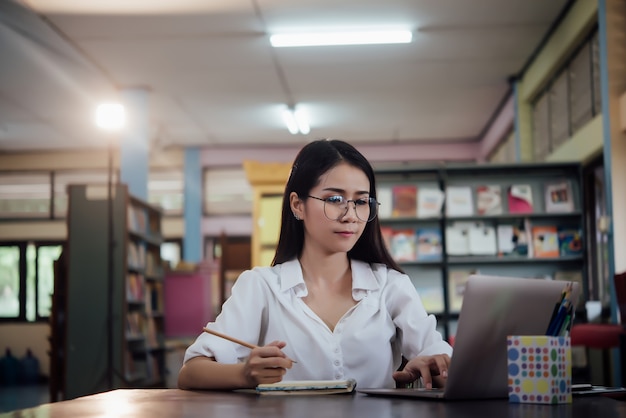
[{"x": 213, "y": 80}]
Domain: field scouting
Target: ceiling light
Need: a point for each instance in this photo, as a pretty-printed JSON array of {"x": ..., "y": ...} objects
[
  {"x": 341, "y": 38},
  {"x": 303, "y": 121},
  {"x": 110, "y": 116},
  {"x": 296, "y": 121}
]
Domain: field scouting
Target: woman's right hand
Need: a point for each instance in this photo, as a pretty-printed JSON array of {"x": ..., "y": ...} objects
[{"x": 266, "y": 364}]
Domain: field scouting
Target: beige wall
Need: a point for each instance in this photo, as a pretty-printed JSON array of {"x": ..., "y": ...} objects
[
  {"x": 583, "y": 146},
  {"x": 20, "y": 337},
  {"x": 86, "y": 159}
]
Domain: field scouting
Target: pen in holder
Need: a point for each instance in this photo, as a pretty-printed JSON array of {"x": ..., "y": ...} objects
[
  {"x": 539, "y": 369},
  {"x": 563, "y": 314}
]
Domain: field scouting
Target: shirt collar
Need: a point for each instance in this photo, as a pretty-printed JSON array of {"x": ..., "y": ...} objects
[
  {"x": 363, "y": 278},
  {"x": 291, "y": 275}
]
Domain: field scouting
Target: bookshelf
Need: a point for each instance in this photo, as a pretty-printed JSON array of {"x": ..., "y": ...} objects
[
  {"x": 138, "y": 308},
  {"x": 521, "y": 220}
]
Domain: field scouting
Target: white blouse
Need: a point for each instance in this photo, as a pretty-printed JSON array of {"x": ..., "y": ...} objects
[{"x": 388, "y": 321}]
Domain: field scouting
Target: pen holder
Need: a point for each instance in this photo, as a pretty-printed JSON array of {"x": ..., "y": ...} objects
[{"x": 539, "y": 369}]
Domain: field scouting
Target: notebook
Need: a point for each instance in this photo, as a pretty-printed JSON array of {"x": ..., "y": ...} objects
[
  {"x": 307, "y": 387},
  {"x": 493, "y": 307}
]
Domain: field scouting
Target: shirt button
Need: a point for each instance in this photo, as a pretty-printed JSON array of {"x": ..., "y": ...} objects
[{"x": 337, "y": 362}]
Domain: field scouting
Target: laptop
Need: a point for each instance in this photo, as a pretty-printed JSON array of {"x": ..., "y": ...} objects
[{"x": 493, "y": 308}]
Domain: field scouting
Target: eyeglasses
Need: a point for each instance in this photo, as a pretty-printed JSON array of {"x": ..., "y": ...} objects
[{"x": 336, "y": 207}]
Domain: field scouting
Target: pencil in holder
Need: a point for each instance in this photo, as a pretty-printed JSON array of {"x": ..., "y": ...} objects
[{"x": 539, "y": 369}]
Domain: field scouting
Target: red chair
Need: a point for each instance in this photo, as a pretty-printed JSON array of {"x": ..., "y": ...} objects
[{"x": 603, "y": 336}]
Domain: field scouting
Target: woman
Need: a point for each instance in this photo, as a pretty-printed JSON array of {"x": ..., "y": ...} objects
[{"x": 334, "y": 300}]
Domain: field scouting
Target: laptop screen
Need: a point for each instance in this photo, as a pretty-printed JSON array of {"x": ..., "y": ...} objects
[{"x": 493, "y": 308}]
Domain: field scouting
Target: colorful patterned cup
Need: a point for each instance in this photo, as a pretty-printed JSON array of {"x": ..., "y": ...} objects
[{"x": 540, "y": 369}]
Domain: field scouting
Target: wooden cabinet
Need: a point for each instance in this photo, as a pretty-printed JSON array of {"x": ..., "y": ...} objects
[
  {"x": 268, "y": 184},
  {"x": 443, "y": 223},
  {"x": 114, "y": 325}
]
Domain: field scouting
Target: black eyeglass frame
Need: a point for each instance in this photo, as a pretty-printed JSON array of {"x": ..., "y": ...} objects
[{"x": 373, "y": 205}]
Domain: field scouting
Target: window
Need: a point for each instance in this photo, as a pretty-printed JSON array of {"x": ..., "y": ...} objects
[
  {"x": 227, "y": 192},
  {"x": 42, "y": 195},
  {"x": 27, "y": 280},
  {"x": 25, "y": 195},
  {"x": 580, "y": 82},
  {"x": 171, "y": 252},
  {"x": 46, "y": 255},
  {"x": 9, "y": 281},
  {"x": 559, "y": 111},
  {"x": 569, "y": 101},
  {"x": 165, "y": 189}
]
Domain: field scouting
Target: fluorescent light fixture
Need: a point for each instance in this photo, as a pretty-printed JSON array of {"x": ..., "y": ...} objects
[
  {"x": 290, "y": 120},
  {"x": 303, "y": 121},
  {"x": 110, "y": 116},
  {"x": 341, "y": 38},
  {"x": 296, "y": 121}
]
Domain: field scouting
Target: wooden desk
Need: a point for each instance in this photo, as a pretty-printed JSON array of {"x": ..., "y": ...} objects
[{"x": 151, "y": 403}]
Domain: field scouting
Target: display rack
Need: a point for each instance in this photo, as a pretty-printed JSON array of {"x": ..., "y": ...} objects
[{"x": 443, "y": 223}]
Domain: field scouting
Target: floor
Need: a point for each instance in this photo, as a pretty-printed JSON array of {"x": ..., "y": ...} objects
[{"x": 23, "y": 396}]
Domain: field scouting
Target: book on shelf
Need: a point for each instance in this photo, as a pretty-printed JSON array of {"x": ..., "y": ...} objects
[
  {"x": 384, "y": 197},
  {"x": 515, "y": 239},
  {"x": 558, "y": 197},
  {"x": 520, "y": 198},
  {"x": 522, "y": 239},
  {"x": 459, "y": 201},
  {"x": 457, "y": 280},
  {"x": 135, "y": 325},
  {"x": 307, "y": 387},
  {"x": 404, "y": 201},
  {"x": 429, "y": 246},
  {"x": 135, "y": 287},
  {"x": 570, "y": 241},
  {"x": 482, "y": 239},
  {"x": 129, "y": 364},
  {"x": 154, "y": 298},
  {"x": 153, "y": 368},
  {"x": 403, "y": 245},
  {"x": 429, "y": 202},
  {"x": 457, "y": 238},
  {"x": 545, "y": 241},
  {"x": 431, "y": 297},
  {"x": 136, "y": 255},
  {"x": 137, "y": 219},
  {"x": 488, "y": 200},
  {"x": 152, "y": 337},
  {"x": 505, "y": 235}
]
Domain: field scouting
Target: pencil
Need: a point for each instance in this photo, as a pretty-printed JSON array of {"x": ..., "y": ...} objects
[{"x": 235, "y": 340}]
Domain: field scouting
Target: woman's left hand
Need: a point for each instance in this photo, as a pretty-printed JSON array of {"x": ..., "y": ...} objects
[{"x": 429, "y": 368}]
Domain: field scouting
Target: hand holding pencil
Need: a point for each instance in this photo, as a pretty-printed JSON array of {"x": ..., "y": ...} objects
[{"x": 235, "y": 340}]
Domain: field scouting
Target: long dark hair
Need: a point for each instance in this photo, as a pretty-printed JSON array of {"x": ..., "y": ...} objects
[{"x": 313, "y": 160}]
